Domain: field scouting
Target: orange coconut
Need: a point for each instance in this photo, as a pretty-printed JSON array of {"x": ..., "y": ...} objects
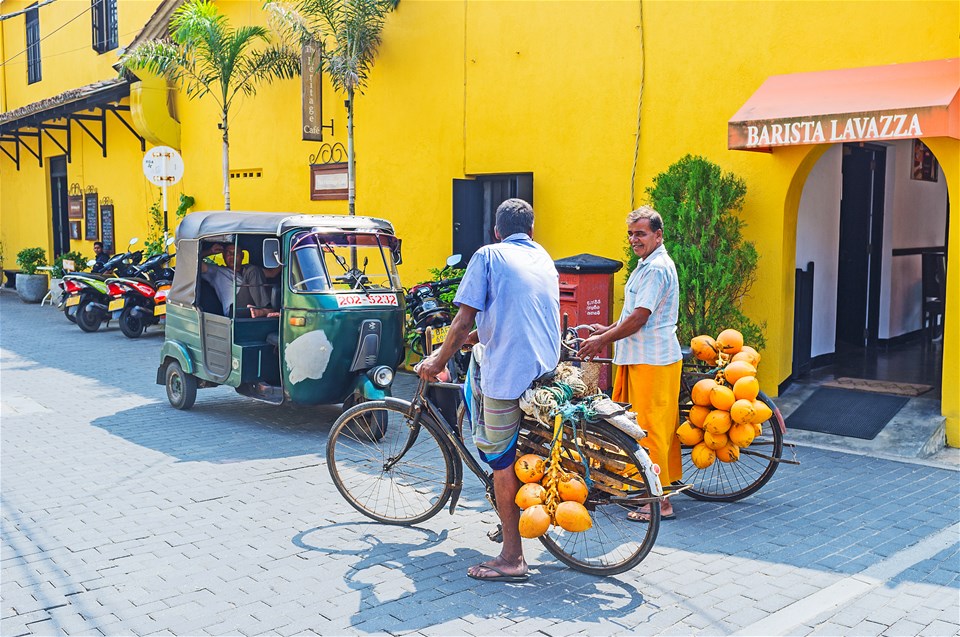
[
  {"x": 573, "y": 517},
  {"x": 715, "y": 441},
  {"x": 700, "y": 394},
  {"x": 742, "y": 434},
  {"x": 530, "y": 495},
  {"x": 746, "y": 388},
  {"x": 728, "y": 453},
  {"x": 534, "y": 521},
  {"x": 529, "y": 468},
  {"x": 704, "y": 348},
  {"x": 703, "y": 456},
  {"x": 689, "y": 435},
  {"x": 730, "y": 341},
  {"x": 743, "y": 412},
  {"x": 737, "y": 370},
  {"x": 718, "y": 421},
  {"x": 573, "y": 489},
  {"x": 721, "y": 397},
  {"x": 698, "y": 413}
]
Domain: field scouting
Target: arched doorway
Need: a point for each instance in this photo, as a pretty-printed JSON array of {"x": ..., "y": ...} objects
[{"x": 869, "y": 218}]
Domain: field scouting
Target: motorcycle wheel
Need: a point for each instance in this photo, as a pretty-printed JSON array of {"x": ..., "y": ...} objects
[
  {"x": 130, "y": 325},
  {"x": 71, "y": 313},
  {"x": 181, "y": 387},
  {"x": 88, "y": 321}
]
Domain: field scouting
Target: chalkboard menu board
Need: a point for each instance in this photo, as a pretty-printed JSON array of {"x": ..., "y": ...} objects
[
  {"x": 106, "y": 227},
  {"x": 92, "y": 221}
]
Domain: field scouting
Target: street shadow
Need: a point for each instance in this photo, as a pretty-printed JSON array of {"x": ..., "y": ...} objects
[
  {"x": 835, "y": 512},
  {"x": 432, "y": 572},
  {"x": 225, "y": 427}
]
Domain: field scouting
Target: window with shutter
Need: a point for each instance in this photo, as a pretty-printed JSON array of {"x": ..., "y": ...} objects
[
  {"x": 103, "y": 25},
  {"x": 33, "y": 45}
]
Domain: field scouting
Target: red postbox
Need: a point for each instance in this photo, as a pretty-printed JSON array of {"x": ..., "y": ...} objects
[{"x": 586, "y": 295}]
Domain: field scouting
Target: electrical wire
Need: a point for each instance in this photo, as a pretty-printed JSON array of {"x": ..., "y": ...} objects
[
  {"x": 7, "y": 16},
  {"x": 47, "y": 56},
  {"x": 87, "y": 10},
  {"x": 636, "y": 148}
]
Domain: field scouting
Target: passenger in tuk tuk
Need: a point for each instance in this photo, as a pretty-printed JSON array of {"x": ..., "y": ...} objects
[{"x": 253, "y": 292}]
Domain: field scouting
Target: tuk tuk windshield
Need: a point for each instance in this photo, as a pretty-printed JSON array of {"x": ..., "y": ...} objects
[{"x": 342, "y": 262}]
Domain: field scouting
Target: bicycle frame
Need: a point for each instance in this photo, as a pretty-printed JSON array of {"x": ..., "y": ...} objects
[{"x": 422, "y": 404}]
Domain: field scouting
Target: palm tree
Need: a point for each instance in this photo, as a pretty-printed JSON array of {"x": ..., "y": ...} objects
[
  {"x": 349, "y": 34},
  {"x": 207, "y": 56}
]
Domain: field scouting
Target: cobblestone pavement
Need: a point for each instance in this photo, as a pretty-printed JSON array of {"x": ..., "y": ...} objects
[{"x": 122, "y": 516}]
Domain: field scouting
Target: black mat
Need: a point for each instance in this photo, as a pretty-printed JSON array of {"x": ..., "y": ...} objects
[{"x": 844, "y": 412}]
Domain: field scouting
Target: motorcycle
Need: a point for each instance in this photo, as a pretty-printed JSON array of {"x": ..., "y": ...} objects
[
  {"x": 139, "y": 301},
  {"x": 430, "y": 313},
  {"x": 86, "y": 295}
]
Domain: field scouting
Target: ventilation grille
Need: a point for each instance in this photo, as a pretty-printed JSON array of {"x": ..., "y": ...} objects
[{"x": 246, "y": 173}]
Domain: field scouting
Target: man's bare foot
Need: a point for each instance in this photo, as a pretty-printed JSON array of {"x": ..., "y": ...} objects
[
  {"x": 499, "y": 570},
  {"x": 643, "y": 513}
]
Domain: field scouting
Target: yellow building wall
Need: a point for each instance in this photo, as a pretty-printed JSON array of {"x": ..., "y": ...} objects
[
  {"x": 67, "y": 56},
  {"x": 463, "y": 88}
]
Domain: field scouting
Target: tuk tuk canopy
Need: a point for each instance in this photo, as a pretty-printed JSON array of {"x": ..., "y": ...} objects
[{"x": 205, "y": 224}]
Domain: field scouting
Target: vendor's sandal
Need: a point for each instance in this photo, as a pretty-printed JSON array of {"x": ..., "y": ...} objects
[
  {"x": 644, "y": 517},
  {"x": 499, "y": 576}
]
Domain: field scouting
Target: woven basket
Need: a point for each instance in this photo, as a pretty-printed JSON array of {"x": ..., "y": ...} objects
[{"x": 591, "y": 376}]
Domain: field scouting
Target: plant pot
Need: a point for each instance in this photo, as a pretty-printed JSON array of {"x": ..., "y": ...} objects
[
  {"x": 55, "y": 290},
  {"x": 32, "y": 287}
]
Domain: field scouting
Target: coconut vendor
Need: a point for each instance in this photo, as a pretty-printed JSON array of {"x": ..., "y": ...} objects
[
  {"x": 647, "y": 351},
  {"x": 511, "y": 290}
]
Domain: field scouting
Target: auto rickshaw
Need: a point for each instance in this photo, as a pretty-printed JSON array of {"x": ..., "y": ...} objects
[{"x": 332, "y": 331}]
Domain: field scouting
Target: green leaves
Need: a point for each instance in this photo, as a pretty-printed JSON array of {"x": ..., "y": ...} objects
[
  {"x": 716, "y": 267},
  {"x": 349, "y": 32},
  {"x": 29, "y": 259}
]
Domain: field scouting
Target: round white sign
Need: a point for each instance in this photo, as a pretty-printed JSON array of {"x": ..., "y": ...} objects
[{"x": 163, "y": 166}]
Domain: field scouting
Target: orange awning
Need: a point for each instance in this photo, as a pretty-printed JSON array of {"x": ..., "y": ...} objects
[{"x": 897, "y": 101}]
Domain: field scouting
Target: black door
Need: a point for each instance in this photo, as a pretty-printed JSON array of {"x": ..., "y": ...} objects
[
  {"x": 58, "y": 205},
  {"x": 475, "y": 203},
  {"x": 861, "y": 235}
]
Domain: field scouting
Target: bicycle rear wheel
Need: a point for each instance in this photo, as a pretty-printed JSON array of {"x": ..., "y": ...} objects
[
  {"x": 731, "y": 481},
  {"x": 614, "y": 544},
  {"x": 403, "y": 477}
]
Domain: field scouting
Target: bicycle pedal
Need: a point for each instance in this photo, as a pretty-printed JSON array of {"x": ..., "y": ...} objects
[{"x": 496, "y": 535}]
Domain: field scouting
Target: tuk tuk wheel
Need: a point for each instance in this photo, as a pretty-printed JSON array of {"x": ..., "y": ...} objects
[
  {"x": 374, "y": 427},
  {"x": 181, "y": 387}
]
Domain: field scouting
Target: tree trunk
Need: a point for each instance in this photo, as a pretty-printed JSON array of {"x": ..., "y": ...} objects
[
  {"x": 226, "y": 161},
  {"x": 351, "y": 163}
]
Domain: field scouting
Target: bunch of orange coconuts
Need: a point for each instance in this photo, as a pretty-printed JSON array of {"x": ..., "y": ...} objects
[
  {"x": 726, "y": 415},
  {"x": 550, "y": 495}
]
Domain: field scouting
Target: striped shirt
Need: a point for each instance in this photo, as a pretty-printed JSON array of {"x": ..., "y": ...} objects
[{"x": 653, "y": 286}]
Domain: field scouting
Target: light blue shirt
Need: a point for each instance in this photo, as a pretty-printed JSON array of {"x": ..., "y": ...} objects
[
  {"x": 655, "y": 287},
  {"x": 515, "y": 286}
]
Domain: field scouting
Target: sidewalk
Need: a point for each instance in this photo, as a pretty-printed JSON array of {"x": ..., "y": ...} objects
[{"x": 121, "y": 515}]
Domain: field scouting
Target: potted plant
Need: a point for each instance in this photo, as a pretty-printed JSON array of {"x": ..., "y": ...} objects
[
  {"x": 56, "y": 274},
  {"x": 31, "y": 287}
]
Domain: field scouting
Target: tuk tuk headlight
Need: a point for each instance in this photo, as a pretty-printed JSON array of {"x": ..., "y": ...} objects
[{"x": 381, "y": 376}]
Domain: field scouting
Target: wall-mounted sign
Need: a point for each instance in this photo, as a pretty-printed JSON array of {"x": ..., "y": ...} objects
[
  {"x": 106, "y": 225},
  {"x": 310, "y": 92},
  {"x": 75, "y": 230},
  {"x": 328, "y": 181},
  {"x": 75, "y": 202},
  {"x": 924, "y": 166},
  {"x": 830, "y": 129},
  {"x": 92, "y": 217}
]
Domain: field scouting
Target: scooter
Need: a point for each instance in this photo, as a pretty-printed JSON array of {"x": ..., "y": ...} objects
[
  {"x": 90, "y": 293},
  {"x": 140, "y": 301},
  {"x": 75, "y": 282}
]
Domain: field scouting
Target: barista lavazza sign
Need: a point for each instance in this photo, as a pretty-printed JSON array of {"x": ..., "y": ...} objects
[{"x": 825, "y": 130}]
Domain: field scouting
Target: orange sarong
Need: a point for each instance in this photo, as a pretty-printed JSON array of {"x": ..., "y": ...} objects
[{"x": 653, "y": 391}]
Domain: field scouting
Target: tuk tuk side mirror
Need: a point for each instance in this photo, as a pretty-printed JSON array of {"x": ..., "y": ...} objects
[
  {"x": 397, "y": 256},
  {"x": 271, "y": 253},
  {"x": 453, "y": 260}
]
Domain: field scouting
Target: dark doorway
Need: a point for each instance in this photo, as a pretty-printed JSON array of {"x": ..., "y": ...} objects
[
  {"x": 861, "y": 236},
  {"x": 58, "y": 205},
  {"x": 475, "y": 203}
]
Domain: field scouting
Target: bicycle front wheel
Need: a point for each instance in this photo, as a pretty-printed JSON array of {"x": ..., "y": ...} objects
[
  {"x": 731, "y": 481},
  {"x": 615, "y": 543},
  {"x": 400, "y": 477}
]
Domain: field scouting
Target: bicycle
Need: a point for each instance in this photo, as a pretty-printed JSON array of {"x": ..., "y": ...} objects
[
  {"x": 723, "y": 481},
  {"x": 409, "y": 475}
]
